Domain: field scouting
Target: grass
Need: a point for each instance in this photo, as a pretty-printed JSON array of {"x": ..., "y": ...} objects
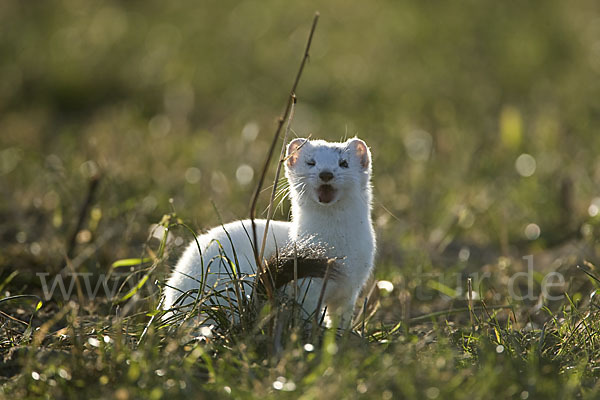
[
  {"x": 91, "y": 349},
  {"x": 482, "y": 120}
]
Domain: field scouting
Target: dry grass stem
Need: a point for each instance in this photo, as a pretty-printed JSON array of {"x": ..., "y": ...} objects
[{"x": 261, "y": 180}]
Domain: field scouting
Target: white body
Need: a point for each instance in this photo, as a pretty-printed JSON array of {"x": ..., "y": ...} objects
[
  {"x": 214, "y": 246},
  {"x": 331, "y": 207}
]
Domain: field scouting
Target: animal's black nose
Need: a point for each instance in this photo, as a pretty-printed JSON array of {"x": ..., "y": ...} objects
[{"x": 326, "y": 176}]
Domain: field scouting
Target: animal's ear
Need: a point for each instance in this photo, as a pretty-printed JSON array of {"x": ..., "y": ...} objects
[
  {"x": 293, "y": 151},
  {"x": 362, "y": 152}
]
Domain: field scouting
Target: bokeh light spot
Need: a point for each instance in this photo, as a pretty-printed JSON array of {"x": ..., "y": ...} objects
[
  {"x": 532, "y": 231},
  {"x": 244, "y": 174},
  {"x": 525, "y": 165}
]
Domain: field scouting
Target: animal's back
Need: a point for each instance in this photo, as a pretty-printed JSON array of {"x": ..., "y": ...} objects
[{"x": 232, "y": 241}]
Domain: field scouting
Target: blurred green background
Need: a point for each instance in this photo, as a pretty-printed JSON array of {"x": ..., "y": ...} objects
[{"x": 482, "y": 117}]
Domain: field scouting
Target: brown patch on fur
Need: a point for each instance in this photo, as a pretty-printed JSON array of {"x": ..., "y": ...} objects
[
  {"x": 309, "y": 262},
  {"x": 307, "y": 268}
]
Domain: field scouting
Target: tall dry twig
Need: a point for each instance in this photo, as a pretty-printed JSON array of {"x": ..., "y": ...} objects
[
  {"x": 276, "y": 179},
  {"x": 83, "y": 213},
  {"x": 259, "y": 263}
]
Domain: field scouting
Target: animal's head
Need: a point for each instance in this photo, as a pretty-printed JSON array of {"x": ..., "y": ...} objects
[{"x": 327, "y": 172}]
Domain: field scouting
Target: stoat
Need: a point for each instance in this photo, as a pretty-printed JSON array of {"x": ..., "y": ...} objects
[{"x": 330, "y": 192}]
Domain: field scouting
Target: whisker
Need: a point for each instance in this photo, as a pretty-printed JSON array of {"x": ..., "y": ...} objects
[{"x": 280, "y": 204}]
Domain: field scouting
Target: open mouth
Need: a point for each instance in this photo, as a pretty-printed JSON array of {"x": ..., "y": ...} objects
[{"x": 326, "y": 193}]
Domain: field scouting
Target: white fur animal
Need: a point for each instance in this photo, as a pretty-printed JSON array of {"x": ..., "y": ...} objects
[{"x": 330, "y": 192}]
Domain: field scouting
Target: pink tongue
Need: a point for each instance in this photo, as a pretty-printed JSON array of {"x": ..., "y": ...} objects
[{"x": 326, "y": 193}]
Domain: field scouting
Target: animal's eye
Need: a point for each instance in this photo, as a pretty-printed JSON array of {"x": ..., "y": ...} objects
[
  {"x": 311, "y": 163},
  {"x": 343, "y": 163}
]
